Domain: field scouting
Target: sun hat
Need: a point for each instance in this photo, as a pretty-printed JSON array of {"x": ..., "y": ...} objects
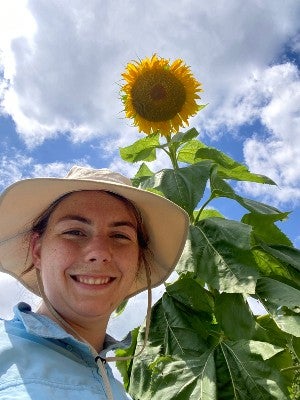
[{"x": 22, "y": 202}]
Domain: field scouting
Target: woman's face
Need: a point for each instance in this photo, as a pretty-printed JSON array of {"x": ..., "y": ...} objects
[{"x": 88, "y": 255}]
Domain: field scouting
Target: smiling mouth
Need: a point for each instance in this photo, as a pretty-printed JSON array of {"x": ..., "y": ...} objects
[{"x": 89, "y": 280}]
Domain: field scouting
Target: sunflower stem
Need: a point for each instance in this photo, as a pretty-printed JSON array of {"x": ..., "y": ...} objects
[
  {"x": 172, "y": 153},
  {"x": 201, "y": 209}
]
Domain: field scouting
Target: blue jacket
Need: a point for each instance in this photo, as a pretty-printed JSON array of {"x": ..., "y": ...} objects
[{"x": 39, "y": 360}]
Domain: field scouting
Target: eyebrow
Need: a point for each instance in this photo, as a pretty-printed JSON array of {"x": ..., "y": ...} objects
[{"x": 75, "y": 217}]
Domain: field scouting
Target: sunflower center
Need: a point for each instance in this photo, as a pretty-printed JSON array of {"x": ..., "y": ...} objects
[
  {"x": 158, "y": 95},
  {"x": 158, "y": 92}
]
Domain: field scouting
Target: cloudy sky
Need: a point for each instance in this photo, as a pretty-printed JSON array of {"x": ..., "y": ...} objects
[{"x": 60, "y": 67}]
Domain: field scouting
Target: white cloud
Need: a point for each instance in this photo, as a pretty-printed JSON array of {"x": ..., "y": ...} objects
[
  {"x": 270, "y": 95},
  {"x": 282, "y": 115},
  {"x": 274, "y": 98},
  {"x": 279, "y": 161},
  {"x": 12, "y": 168},
  {"x": 15, "y": 166},
  {"x": 15, "y": 21},
  {"x": 267, "y": 93},
  {"x": 55, "y": 169},
  {"x": 64, "y": 76}
]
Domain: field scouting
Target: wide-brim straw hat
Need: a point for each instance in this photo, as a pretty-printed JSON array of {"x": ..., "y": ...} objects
[{"x": 24, "y": 201}]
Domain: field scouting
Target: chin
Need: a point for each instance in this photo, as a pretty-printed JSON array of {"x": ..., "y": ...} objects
[{"x": 93, "y": 312}]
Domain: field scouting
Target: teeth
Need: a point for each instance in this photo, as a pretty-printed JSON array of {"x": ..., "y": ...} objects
[{"x": 92, "y": 281}]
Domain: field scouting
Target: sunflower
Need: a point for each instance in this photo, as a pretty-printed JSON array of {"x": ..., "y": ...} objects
[{"x": 159, "y": 96}]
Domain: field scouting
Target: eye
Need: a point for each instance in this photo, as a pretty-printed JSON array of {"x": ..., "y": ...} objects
[
  {"x": 121, "y": 236},
  {"x": 74, "y": 232},
  {"x": 128, "y": 235}
]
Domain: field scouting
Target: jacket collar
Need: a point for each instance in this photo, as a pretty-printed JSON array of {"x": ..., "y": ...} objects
[{"x": 42, "y": 326}]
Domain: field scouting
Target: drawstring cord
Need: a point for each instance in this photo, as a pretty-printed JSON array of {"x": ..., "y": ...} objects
[
  {"x": 148, "y": 319},
  {"x": 99, "y": 360}
]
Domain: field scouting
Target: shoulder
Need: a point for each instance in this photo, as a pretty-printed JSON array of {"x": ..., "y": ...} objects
[
  {"x": 35, "y": 367},
  {"x": 11, "y": 328}
]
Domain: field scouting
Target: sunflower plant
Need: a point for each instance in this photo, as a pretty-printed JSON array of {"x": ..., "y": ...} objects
[{"x": 205, "y": 341}]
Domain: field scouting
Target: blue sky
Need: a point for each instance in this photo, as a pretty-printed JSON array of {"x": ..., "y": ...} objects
[{"x": 60, "y": 68}]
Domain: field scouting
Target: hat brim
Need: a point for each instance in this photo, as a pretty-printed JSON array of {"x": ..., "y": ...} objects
[{"x": 21, "y": 203}]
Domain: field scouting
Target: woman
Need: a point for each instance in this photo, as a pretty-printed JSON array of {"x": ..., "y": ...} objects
[{"x": 84, "y": 244}]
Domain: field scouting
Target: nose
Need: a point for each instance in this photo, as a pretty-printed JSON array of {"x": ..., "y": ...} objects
[{"x": 98, "y": 249}]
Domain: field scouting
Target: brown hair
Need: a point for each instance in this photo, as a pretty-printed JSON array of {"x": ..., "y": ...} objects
[{"x": 40, "y": 224}]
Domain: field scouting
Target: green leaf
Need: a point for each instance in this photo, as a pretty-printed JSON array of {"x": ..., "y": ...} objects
[
  {"x": 195, "y": 151},
  {"x": 188, "y": 151},
  {"x": 241, "y": 173},
  {"x": 277, "y": 292},
  {"x": 220, "y": 188},
  {"x": 289, "y": 324},
  {"x": 267, "y": 330},
  {"x": 208, "y": 213},
  {"x": 257, "y": 207},
  {"x": 142, "y": 150},
  {"x": 184, "y": 186},
  {"x": 187, "y": 291},
  {"x": 210, "y": 153},
  {"x": 187, "y": 329},
  {"x": 237, "y": 321},
  {"x": 143, "y": 173},
  {"x": 296, "y": 347},
  {"x": 179, "y": 363},
  {"x": 234, "y": 316},
  {"x": 270, "y": 332},
  {"x": 175, "y": 329},
  {"x": 183, "y": 378},
  {"x": 118, "y": 311},
  {"x": 286, "y": 254},
  {"x": 183, "y": 137},
  {"x": 247, "y": 366},
  {"x": 273, "y": 267},
  {"x": 219, "y": 251},
  {"x": 264, "y": 228},
  {"x": 229, "y": 168},
  {"x": 124, "y": 367},
  {"x": 250, "y": 371}
]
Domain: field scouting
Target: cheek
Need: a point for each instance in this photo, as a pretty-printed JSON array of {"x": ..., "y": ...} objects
[
  {"x": 132, "y": 266},
  {"x": 56, "y": 255}
]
